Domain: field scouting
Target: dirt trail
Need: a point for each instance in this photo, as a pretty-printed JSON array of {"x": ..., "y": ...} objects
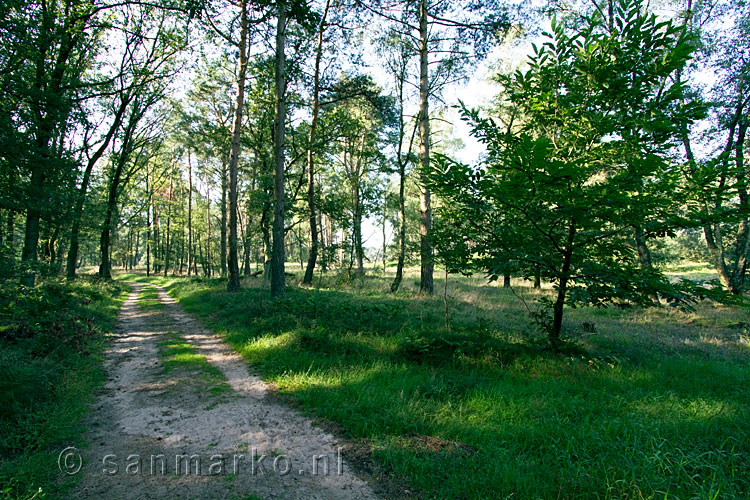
[{"x": 169, "y": 428}]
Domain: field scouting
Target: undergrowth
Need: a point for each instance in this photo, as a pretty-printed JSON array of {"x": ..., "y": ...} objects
[
  {"x": 51, "y": 339},
  {"x": 647, "y": 403}
]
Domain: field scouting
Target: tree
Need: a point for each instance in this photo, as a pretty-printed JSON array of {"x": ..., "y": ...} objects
[
  {"x": 138, "y": 142},
  {"x": 233, "y": 283},
  {"x": 210, "y": 114},
  {"x": 45, "y": 51},
  {"x": 261, "y": 11},
  {"x": 453, "y": 36},
  {"x": 717, "y": 182},
  {"x": 587, "y": 162},
  {"x": 278, "y": 280},
  {"x": 361, "y": 117},
  {"x": 149, "y": 45},
  {"x": 312, "y": 216},
  {"x": 300, "y": 12},
  {"x": 398, "y": 53}
]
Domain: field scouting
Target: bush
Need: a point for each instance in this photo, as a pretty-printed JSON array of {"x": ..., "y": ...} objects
[{"x": 50, "y": 336}]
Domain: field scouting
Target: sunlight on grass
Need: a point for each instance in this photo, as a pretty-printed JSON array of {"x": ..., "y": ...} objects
[
  {"x": 187, "y": 359},
  {"x": 149, "y": 298},
  {"x": 259, "y": 345},
  {"x": 652, "y": 405},
  {"x": 179, "y": 354}
]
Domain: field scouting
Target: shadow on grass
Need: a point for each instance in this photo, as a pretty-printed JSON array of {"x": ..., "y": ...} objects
[{"x": 522, "y": 421}]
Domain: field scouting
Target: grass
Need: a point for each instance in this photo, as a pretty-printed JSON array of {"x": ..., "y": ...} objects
[
  {"x": 51, "y": 340},
  {"x": 691, "y": 270},
  {"x": 179, "y": 355},
  {"x": 149, "y": 298},
  {"x": 653, "y": 405}
]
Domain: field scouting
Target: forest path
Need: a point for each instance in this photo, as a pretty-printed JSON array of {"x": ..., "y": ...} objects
[{"x": 180, "y": 416}]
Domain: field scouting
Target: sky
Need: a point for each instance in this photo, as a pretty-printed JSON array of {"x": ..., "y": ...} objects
[{"x": 476, "y": 91}]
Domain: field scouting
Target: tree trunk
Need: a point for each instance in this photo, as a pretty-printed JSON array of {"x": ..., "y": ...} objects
[
  {"x": 148, "y": 225},
  {"x": 506, "y": 279},
  {"x": 208, "y": 229},
  {"x": 200, "y": 255},
  {"x": 425, "y": 210},
  {"x": 313, "y": 255},
  {"x": 156, "y": 239},
  {"x": 644, "y": 254},
  {"x": 742, "y": 249},
  {"x": 233, "y": 283},
  {"x": 129, "y": 251},
  {"x": 267, "y": 258},
  {"x": 246, "y": 260},
  {"x": 33, "y": 214},
  {"x": 358, "y": 250},
  {"x": 190, "y": 253},
  {"x": 278, "y": 280},
  {"x": 10, "y": 232},
  {"x": 323, "y": 239},
  {"x": 248, "y": 226},
  {"x": 562, "y": 288},
  {"x": 223, "y": 218},
  {"x": 300, "y": 251},
  {"x": 105, "y": 268},
  {"x": 181, "y": 196},
  {"x": 52, "y": 249},
  {"x": 715, "y": 246},
  {"x": 81, "y": 195},
  {"x": 402, "y": 228},
  {"x": 385, "y": 243},
  {"x": 137, "y": 245},
  {"x": 169, "y": 217},
  {"x": 712, "y": 233}
]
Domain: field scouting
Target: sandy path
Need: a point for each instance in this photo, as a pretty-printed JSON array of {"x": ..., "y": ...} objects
[{"x": 149, "y": 426}]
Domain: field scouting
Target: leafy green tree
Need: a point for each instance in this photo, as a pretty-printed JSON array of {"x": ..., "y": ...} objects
[
  {"x": 139, "y": 141},
  {"x": 446, "y": 37},
  {"x": 398, "y": 51},
  {"x": 311, "y": 140},
  {"x": 717, "y": 182},
  {"x": 361, "y": 123},
  {"x": 46, "y": 48},
  {"x": 148, "y": 40},
  {"x": 210, "y": 111},
  {"x": 587, "y": 162}
]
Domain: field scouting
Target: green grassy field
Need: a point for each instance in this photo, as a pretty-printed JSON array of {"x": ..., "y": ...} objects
[
  {"x": 51, "y": 340},
  {"x": 653, "y": 404}
]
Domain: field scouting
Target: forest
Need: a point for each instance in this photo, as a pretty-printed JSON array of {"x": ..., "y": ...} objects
[{"x": 490, "y": 248}]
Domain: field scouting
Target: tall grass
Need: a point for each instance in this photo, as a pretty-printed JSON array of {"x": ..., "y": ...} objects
[
  {"x": 51, "y": 338},
  {"x": 653, "y": 404}
]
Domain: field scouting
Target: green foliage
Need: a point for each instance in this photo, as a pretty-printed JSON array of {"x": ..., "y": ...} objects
[
  {"x": 715, "y": 177},
  {"x": 581, "y": 161},
  {"x": 50, "y": 337}
]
